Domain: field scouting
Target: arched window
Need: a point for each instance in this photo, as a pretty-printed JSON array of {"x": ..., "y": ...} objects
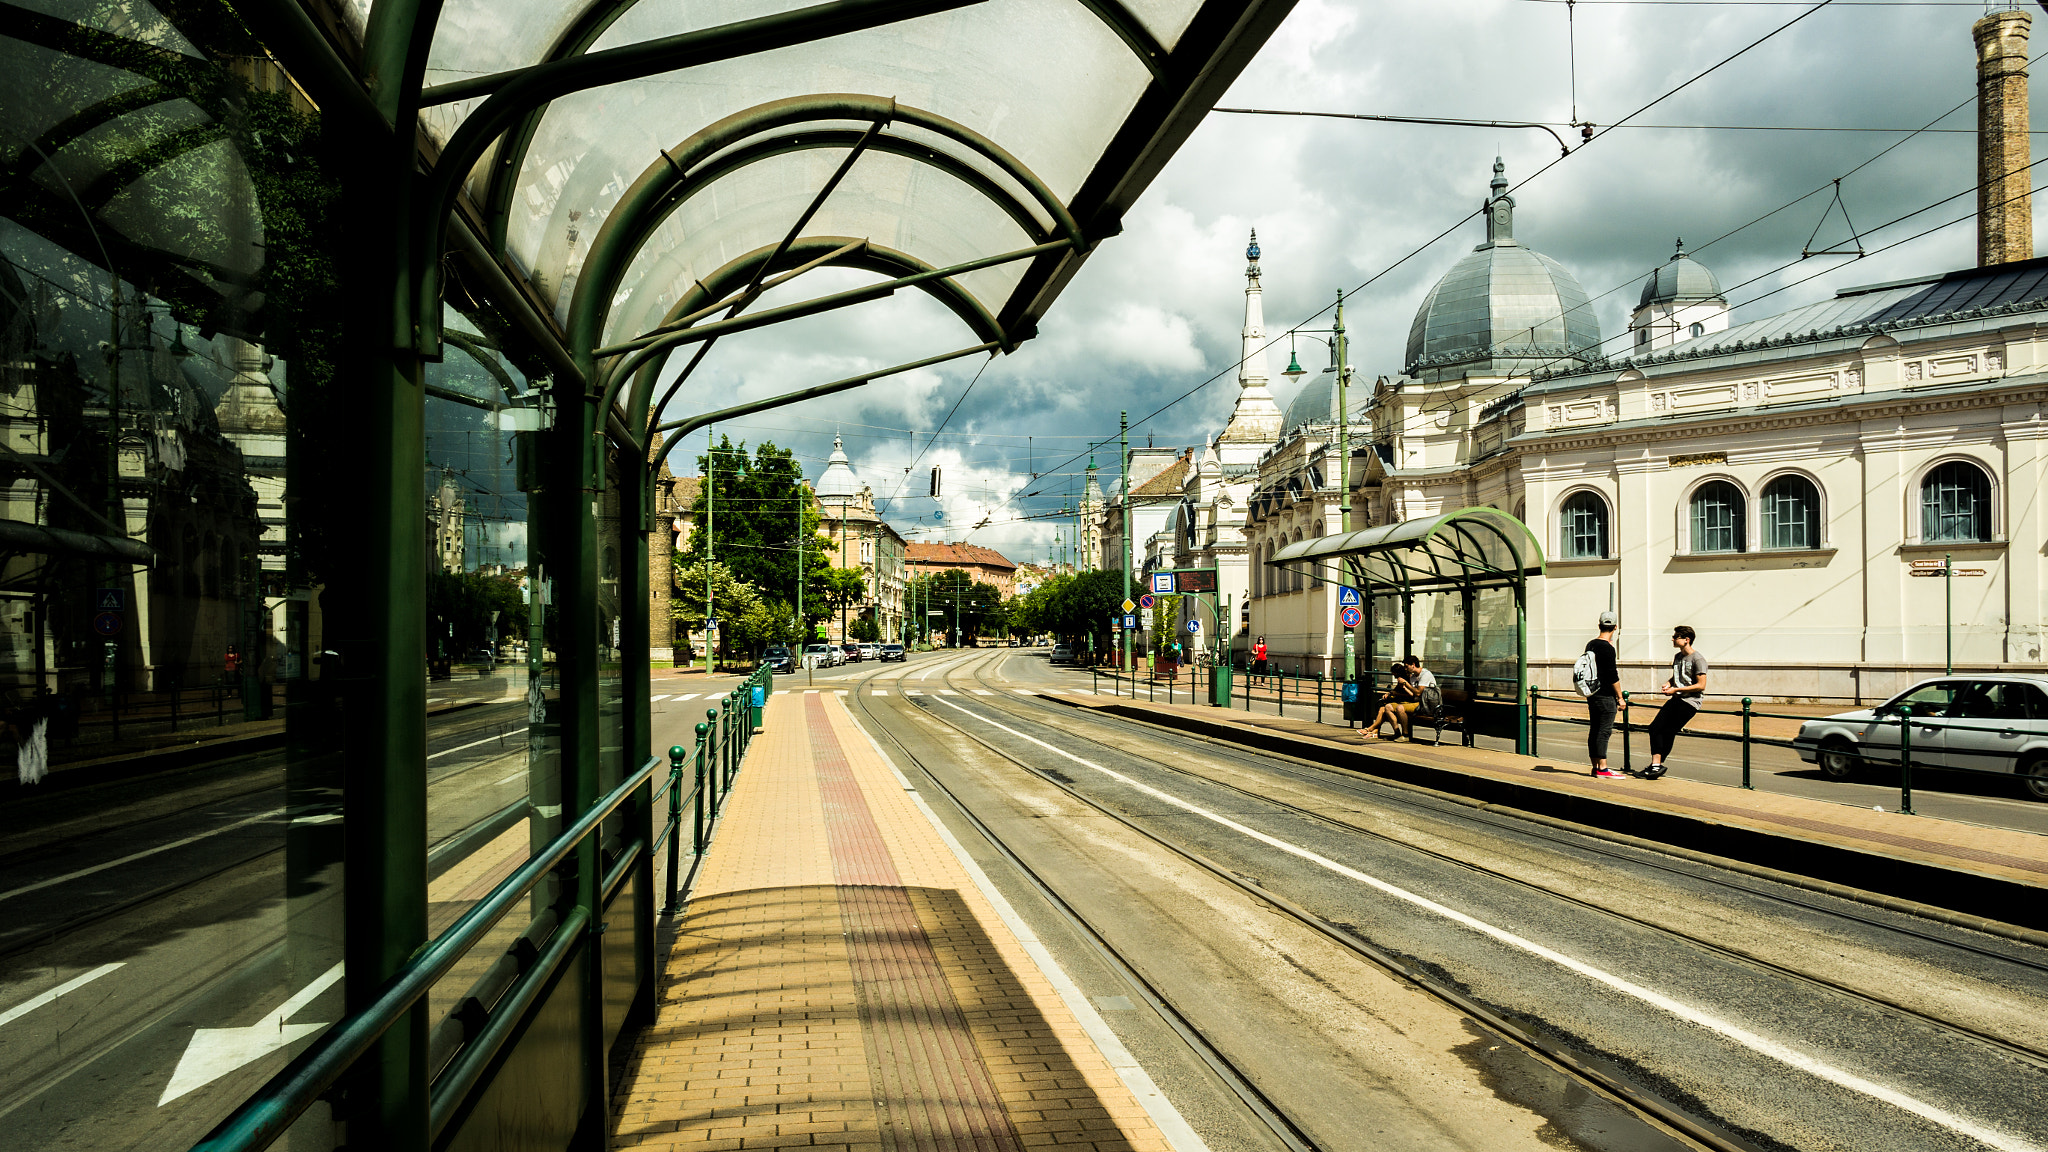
[
  {"x": 1315, "y": 573},
  {"x": 1697, "y": 330},
  {"x": 1582, "y": 527},
  {"x": 1955, "y": 504},
  {"x": 1642, "y": 337},
  {"x": 1717, "y": 515},
  {"x": 1791, "y": 513}
]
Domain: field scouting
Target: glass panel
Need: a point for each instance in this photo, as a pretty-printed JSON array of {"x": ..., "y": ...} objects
[
  {"x": 169, "y": 523},
  {"x": 1717, "y": 518},
  {"x": 1044, "y": 78},
  {"x": 1791, "y": 513},
  {"x": 1928, "y": 699},
  {"x": 1955, "y": 504},
  {"x": 612, "y": 556},
  {"x": 478, "y": 37},
  {"x": 892, "y": 201}
]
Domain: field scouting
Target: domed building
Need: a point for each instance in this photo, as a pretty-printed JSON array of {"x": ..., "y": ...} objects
[
  {"x": 1504, "y": 310},
  {"x": 860, "y": 538},
  {"x": 1682, "y": 300}
]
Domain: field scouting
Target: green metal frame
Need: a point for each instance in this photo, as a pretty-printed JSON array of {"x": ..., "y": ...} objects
[{"x": 1458, "y": 560}]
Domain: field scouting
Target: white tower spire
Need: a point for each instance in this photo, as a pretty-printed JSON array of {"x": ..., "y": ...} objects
[{"x": 1256, "y": 417}]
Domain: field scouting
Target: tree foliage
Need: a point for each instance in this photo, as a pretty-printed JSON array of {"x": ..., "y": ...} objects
[
  {"x": 1073, "y": 607},
  {"x": 979, "y": 605},
  {"x": 462, "y": 608},
  {"x": 751, "y": 510}
]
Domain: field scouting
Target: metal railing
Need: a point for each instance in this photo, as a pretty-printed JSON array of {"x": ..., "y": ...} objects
[
  {"x": 525, "y": 972},
  {"x": 1903, "y": 760}
]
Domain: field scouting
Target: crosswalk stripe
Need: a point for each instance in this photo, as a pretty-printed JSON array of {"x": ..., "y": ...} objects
[
  {"x": 782, "y": 691},
  {"x": 1056, "y": 691},
  {"x": 810, "y": 691},
  {"x": 1023, "y": 691},
  {"x": 687, "y": 696},
  {"x": 914, "y": 692},
  {"x": 656, "y": 699},
  {"x": 983, "y": 692},
  {"x": 947, "y": 692},
  {"x": 839, "y": 691},
  {"x": 879, "y": 692}
]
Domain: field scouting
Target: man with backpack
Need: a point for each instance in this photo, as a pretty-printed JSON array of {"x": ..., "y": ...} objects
[{"x": 1597, "y": 677}]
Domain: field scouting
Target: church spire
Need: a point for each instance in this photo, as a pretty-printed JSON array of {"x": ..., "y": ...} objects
[
  {"x": 1256, "y": 416},
  {"x": 1500, "y": 208}
]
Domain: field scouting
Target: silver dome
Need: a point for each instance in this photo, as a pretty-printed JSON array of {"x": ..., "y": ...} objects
[
  {"x": 838, "y": 480},
  {"x": 1684, "y": 279},
  {"x": 1316, "y": 403},
  {"x": 1500, "y": 307}
]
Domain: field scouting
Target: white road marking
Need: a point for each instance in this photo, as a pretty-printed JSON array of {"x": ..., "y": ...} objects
[
  {"x": 1055, "y": 691},
  {"x": 473, "y": 743},
  {"x": 914, "y": 692},
  {"x": 687, "y": 696},
  {"x": 72, "y": 985},
  {"x": 782, "y": 691},
  {"x": 839, "y": 691},
  {"x": 1180, "y": 1135},
  {"x": 215, "y": 1052},
  {"x": 134, "y": 856},
  {"x": 659, "y": 699},
  {"x": 879, "y": 692},
  {"x": 947, "y": 692},
  {"x": 512, "y": 777},
  {"x": 983, "y": 692},
  {"x": 1763, "y": 1046},
  {"x": 1025, "y": 691}
]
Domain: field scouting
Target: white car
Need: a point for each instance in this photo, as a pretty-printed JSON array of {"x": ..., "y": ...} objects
[
  {"x": 1061, "y": 654},
  {"x": 822, "y": 656},
  {"x": 1970, "y": 723}
]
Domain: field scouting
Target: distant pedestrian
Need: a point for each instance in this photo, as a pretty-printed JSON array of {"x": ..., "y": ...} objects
[
  {"x": 1597, "y": 677},
  {"x": 1259, "y": 660},
  {"x": 1685, "y": 692}
]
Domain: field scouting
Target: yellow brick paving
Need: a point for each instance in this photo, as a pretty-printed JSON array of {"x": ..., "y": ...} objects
[{"x": 758, "y": 1042}]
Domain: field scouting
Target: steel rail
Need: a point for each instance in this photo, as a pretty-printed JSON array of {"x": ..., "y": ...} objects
[
  {"x": 2035, "y": 1056},
  {"x": 1256, "y": 1102},
  {"x": 1620, "y": 1091}
]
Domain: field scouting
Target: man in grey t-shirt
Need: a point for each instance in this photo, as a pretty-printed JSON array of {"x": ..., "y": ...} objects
[{"x": 1684, "y": 691}]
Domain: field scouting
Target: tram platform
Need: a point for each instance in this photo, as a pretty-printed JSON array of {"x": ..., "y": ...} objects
[
  {"x": 1991, "y": 879},
  {"x": 841, "y": 979}
]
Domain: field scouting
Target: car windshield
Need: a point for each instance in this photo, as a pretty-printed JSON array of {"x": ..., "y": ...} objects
[{"x": 1926, "y": 700}]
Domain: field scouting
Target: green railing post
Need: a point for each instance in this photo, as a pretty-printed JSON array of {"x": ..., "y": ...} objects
[
  {"x": 1745, "y": 742},
  {"x": 711, "y": 754},
  {"x": 1319, "y": 697},
  {"x": 697, "y": 843},
  {"x": 1533, "y": 696},
  {"x": 676, "y": 753},
  {"x": 1627, "y": 760},
  {"x": 1906, "y": 762}
]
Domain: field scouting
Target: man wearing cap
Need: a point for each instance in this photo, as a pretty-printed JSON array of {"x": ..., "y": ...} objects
[{"x": 1605, "y": 701}]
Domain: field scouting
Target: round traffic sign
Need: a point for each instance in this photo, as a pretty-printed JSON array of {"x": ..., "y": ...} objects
[
  {"x": 1194, "y": 625},
  {"x": 1146, "y": 600},
  {"x": 106, "y": 623},
  {"x": 1351, "y": 616}
]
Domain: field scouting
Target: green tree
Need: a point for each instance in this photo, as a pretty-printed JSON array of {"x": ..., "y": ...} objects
[
  {"x": 865, "y": 629},
  {"x": 463, "y": 607},
  {"x": 976, "y": 607},
  {"x": 845, "y": 587},
  {"x": 731, "y": 600},
  {"x": 751, "y": 511}
]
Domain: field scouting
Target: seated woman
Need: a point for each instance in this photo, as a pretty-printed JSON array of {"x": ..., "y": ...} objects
[{"x": 1398, "y": 700}]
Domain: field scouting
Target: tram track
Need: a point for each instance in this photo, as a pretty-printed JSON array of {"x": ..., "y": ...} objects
[
  {"x": 1160, "y": 750},
  {"x": 2033, "y": 1055}
]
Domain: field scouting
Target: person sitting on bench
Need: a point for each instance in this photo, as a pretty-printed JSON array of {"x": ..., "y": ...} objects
[{"x": 1399, "y": 697}]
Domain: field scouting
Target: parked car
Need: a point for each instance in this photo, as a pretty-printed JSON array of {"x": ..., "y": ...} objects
[
  {"x": 892, "y": 652},
  {"x": 852, "y": 653},
  {"x": 778, "y": 659},
  {"x": 1970, "y": 723},
  {"x": 1061, "y": 654},
  {"x": 870, "y": 651},
  {"x": 819, "y": 655}
]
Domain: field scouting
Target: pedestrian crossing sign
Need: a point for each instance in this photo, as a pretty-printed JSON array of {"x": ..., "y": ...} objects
[{"x": 1347, "y": 597}]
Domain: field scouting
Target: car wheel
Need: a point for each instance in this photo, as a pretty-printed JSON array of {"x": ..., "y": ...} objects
[
  {"x": 1838, "y": 760},
  {"x": 2035, "y": 773}
]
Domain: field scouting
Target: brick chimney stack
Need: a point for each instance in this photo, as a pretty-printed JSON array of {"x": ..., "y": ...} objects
[{"x": 2005, "y": 205}]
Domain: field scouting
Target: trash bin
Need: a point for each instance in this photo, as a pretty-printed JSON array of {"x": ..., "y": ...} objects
[{"x": 1357, "y": 709}]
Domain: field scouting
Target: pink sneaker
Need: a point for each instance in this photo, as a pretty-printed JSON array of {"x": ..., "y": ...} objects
[{"x": 1608, "y": 772}]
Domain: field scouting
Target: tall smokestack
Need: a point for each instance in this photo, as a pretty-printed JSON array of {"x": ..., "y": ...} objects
[{"x": 2005, "y": 206}]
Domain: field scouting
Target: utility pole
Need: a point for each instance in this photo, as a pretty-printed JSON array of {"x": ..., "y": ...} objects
[
  {"x": 1344, "y": 468},
  {"x": 1123, "y": 441},
  {"x": 802, "y": 633},
  {"x": 843, "y": 565}
]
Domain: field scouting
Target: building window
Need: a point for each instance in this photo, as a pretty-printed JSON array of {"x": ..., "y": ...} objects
[
  {"x": 1717, "y": 515},
  {"x": 1642, "y": 337},
  {"x": 1791, "y": 511},
  {"x": 1583, "y": 523},
  {"x": 1955, "y": 504},
  {"x": 1697, "y": 330}
]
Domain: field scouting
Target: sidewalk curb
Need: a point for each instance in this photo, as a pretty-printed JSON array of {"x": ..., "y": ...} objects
[{"x": 1993, "y": 905}]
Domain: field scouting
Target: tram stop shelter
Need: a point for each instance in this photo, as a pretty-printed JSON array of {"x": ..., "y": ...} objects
[{"x": 1453, "y": 589}]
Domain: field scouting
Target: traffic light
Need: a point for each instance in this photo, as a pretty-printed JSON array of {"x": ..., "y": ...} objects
[{"x": 935, "y": 480}]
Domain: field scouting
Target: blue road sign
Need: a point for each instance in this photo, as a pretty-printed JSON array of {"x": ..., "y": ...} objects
[
  {"x": 1146, "y": 600},
  {"x": 1347, "y": 597},
  {"x": 1130, "y": 623},
  {"x": 1194, "y": 625},
  {"x": 1350, "y": 616},
  {"x": 111, "y": 600},
  {"x": 107, "y": 624},
  {"x": 1162, "y": 582}
]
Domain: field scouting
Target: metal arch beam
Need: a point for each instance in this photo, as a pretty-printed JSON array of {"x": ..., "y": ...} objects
[
  {"x": 513, "y": 95},
  {"x": 740, "y": 271},
  {"x": 645, "y": 204}
]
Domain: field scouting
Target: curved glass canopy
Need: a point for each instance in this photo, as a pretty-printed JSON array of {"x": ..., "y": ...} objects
[{"x": 1472, "y": 547}]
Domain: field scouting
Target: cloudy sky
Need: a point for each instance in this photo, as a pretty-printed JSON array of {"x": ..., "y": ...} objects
[{"x": 1347, "y": 204}]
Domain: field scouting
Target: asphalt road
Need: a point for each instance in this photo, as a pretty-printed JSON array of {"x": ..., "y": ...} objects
[{"x": 1781, "y": 1018}]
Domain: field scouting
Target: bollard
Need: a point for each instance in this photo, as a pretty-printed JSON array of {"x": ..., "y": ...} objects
[
  {"x": 711, "y": 757},
  {"x": 1319, "y": 697},
  {"x": 698, "y": 841},
  {"x": 1627, "y": 764},
  {"x": 1906, "y": 763},
  {"x": 1534, "y": 695},
  {"x": 676, "y": 754},
  {"x": 1745, "y": 742}
]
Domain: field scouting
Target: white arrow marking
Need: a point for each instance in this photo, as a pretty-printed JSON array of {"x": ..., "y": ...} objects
[
  {"x": 71, "y": 985},
  {"x": 215, "y": 1052}
]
